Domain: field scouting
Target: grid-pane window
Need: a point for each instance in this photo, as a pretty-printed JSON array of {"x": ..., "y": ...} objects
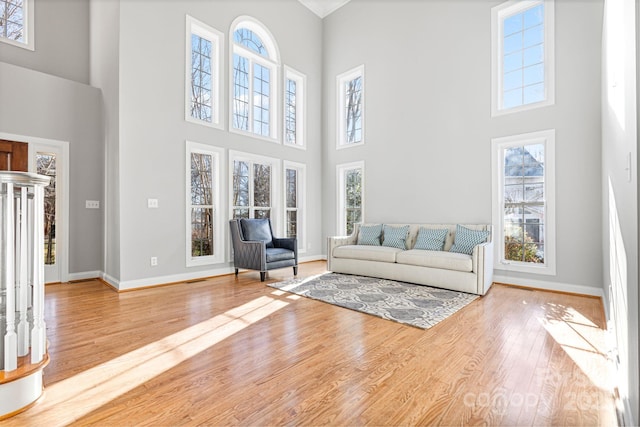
[
  {"x": 16, "y": 23},
  {"x": 523, "y": 55},
  {"x": 524, "y": 208},
  {"x": 203, "y": 223},
  {"x": 253, "y": 86},
  {"x": 290, "y": 111},
  {"x": 201, "y": 96},
  {"x": 351, "y": 108},
  {"x": 291, "y": 187},
  {"x": 350, "y": 196},
  {"x": 201, "y": 204},
  {"x": 240, "y": 92},
  {"x": 353, "y": 198},
  {"x": 252, "y": 189},
  {"x": 294, "y": 108},
  {"x": 524, "y": 213},
  {"x": 203, "y": 73}
]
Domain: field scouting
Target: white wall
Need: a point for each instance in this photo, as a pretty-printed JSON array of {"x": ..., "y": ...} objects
[
  {"x": 429, "y": 127},
  {"x": 61, "y": 41},
  {"x": 153, "y": 130},
  {"x": 44, "y": 106},
  {"x": 620, "y": 193}
]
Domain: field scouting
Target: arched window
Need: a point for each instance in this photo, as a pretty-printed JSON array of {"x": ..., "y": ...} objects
[{"x": 255, "y": 63}]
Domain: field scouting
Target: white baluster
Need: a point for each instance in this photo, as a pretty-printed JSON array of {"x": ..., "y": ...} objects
[
  {"x": 23, "y": 283},
  {"x": 8, "y": 279},
  {"x": 38, "y": 338}
]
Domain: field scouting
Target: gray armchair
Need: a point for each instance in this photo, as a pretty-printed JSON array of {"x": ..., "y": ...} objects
[{"x": 255, "y": 248}]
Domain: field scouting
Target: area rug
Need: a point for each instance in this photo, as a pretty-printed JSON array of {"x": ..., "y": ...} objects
[{"x": 415, "y": 305}]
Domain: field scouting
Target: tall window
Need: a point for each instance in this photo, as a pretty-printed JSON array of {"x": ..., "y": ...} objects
[
  {"x": 350, "y": 191},
  {"x": 294, "y": 191},
  {"x": 351, "y": 108},
  {"x": 523, "y": 198},
  {"x": 254, "y": 79},
  {"x": 523, "y": 70},
  {"x": 204, "y": 230},
  {"x": 203, "y": 76},
  {"x": 16, "y": 23},
  {"x": 46, "y": 165},
  {"x": 253, "y": 179},
  {"x": 294, "y": 108}
]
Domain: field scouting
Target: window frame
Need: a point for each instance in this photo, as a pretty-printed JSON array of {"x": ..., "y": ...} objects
[
  {"x": 341, "y": 81},
  {"x": 301, "y": 108},
  {"x": 194, "y": 26},
  {"x": 272, "y": 63},
  {"x": 218, "y": 243},
  {"x": 28, "y": 29},
  {"x": 498, "y": 15},
  {"x": 301, "y": 186},
  {"x": 275, "y": 185},
  {"x": 341, "y": 171},
  {"x": 498, "y": 148}
]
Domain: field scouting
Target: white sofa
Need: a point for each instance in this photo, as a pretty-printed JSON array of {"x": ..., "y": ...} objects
[{"x": 443, "y": 269}]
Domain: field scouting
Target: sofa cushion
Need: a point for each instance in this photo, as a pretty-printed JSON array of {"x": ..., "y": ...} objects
[
  {"x": 436, "y": 259},
  {"x": 367, "y": 253},
  {"x": 431, "y": 239},
  {"x": 467, "y": 239},
  {"x": 395, "y": 237},
  {"x": 279, "y": 254},
  {"x": 370, "y": 235},
  {"x": 257, "y": 229}
]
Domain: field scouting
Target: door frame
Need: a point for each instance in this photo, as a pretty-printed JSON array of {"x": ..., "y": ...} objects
[{"x": 62, "y": 221}]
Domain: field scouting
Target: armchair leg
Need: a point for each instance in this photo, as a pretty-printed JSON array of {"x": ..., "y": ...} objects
[
  {"x": 295, "y": 270},
  {"x": 236, "y": 272},
  {"x": 263, "y": 275}
]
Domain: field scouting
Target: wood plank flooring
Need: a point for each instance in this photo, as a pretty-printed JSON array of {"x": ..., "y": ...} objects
[{"x": 232, "y": 351}]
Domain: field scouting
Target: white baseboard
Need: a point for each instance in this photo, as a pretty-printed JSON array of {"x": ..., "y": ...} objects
[
  {"x": 312, "y": 258},
  {"x": 550, "y": 286},
  {"x": 84, "y": 275}
]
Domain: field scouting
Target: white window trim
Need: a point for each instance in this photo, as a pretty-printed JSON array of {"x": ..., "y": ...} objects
[
  {"x": 498, "y": 146},
  {"x": 276, "y": 186},
  {"x": 218, "y": 243},
  {"x": 341, "y": 169},
  {"x": 28, "y": 28},
  {"x": 273, "y": 63},
  {"x": 341, "y": 80},
  {"x": 301, "y": 199},
  {"x": 301, "y": 108},
  {"x": 498, "y": 14},
  {"x": 193, "y": 26}
]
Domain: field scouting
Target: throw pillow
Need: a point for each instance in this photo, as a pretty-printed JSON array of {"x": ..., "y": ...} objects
[
  {"x": 370, "y": 235},
  {"x": 467, "y": 239},
  {"x": 395, "y": 237},
  {"x": 431, "y": 239}
]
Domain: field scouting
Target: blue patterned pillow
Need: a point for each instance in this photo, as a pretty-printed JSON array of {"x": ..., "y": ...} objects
[
  {"x": 467, "y": 239},
  {"x": 370, "y": 235},
  {"x": 395, "y": 237},
  {"x": 431, "y": 239}
]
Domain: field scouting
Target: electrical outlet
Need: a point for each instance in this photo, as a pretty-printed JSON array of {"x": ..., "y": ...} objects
[
  {"x": 154, "y": 261},
  {"x": 92, "y": 204}
]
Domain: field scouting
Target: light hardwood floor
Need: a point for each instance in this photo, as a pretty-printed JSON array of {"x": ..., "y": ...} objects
[{"x": 229, "y": 351}]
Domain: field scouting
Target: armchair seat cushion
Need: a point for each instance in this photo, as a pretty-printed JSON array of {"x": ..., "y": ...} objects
[{"x": 279, "y": 254}]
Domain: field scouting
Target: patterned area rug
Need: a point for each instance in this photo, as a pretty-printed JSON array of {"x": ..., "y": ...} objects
[{"x": 415, "y": 305}]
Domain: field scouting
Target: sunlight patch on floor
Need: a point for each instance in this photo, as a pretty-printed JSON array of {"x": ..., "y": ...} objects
[
  {"x": 70, "y": 399},
  {"x": 583, "y": 341}
]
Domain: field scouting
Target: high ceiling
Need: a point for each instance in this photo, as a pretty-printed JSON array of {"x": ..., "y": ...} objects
[{"x": 323, "y": 8}]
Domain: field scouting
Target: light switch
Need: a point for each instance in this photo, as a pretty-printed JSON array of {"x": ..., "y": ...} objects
[{"x": 152, "y": 203}]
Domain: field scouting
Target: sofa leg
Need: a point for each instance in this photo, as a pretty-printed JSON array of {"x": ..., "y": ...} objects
[
  {"x": 263, "y": 275},
  {"x": 236, "y": 272},
  {"x": 295, "y": 270}
]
